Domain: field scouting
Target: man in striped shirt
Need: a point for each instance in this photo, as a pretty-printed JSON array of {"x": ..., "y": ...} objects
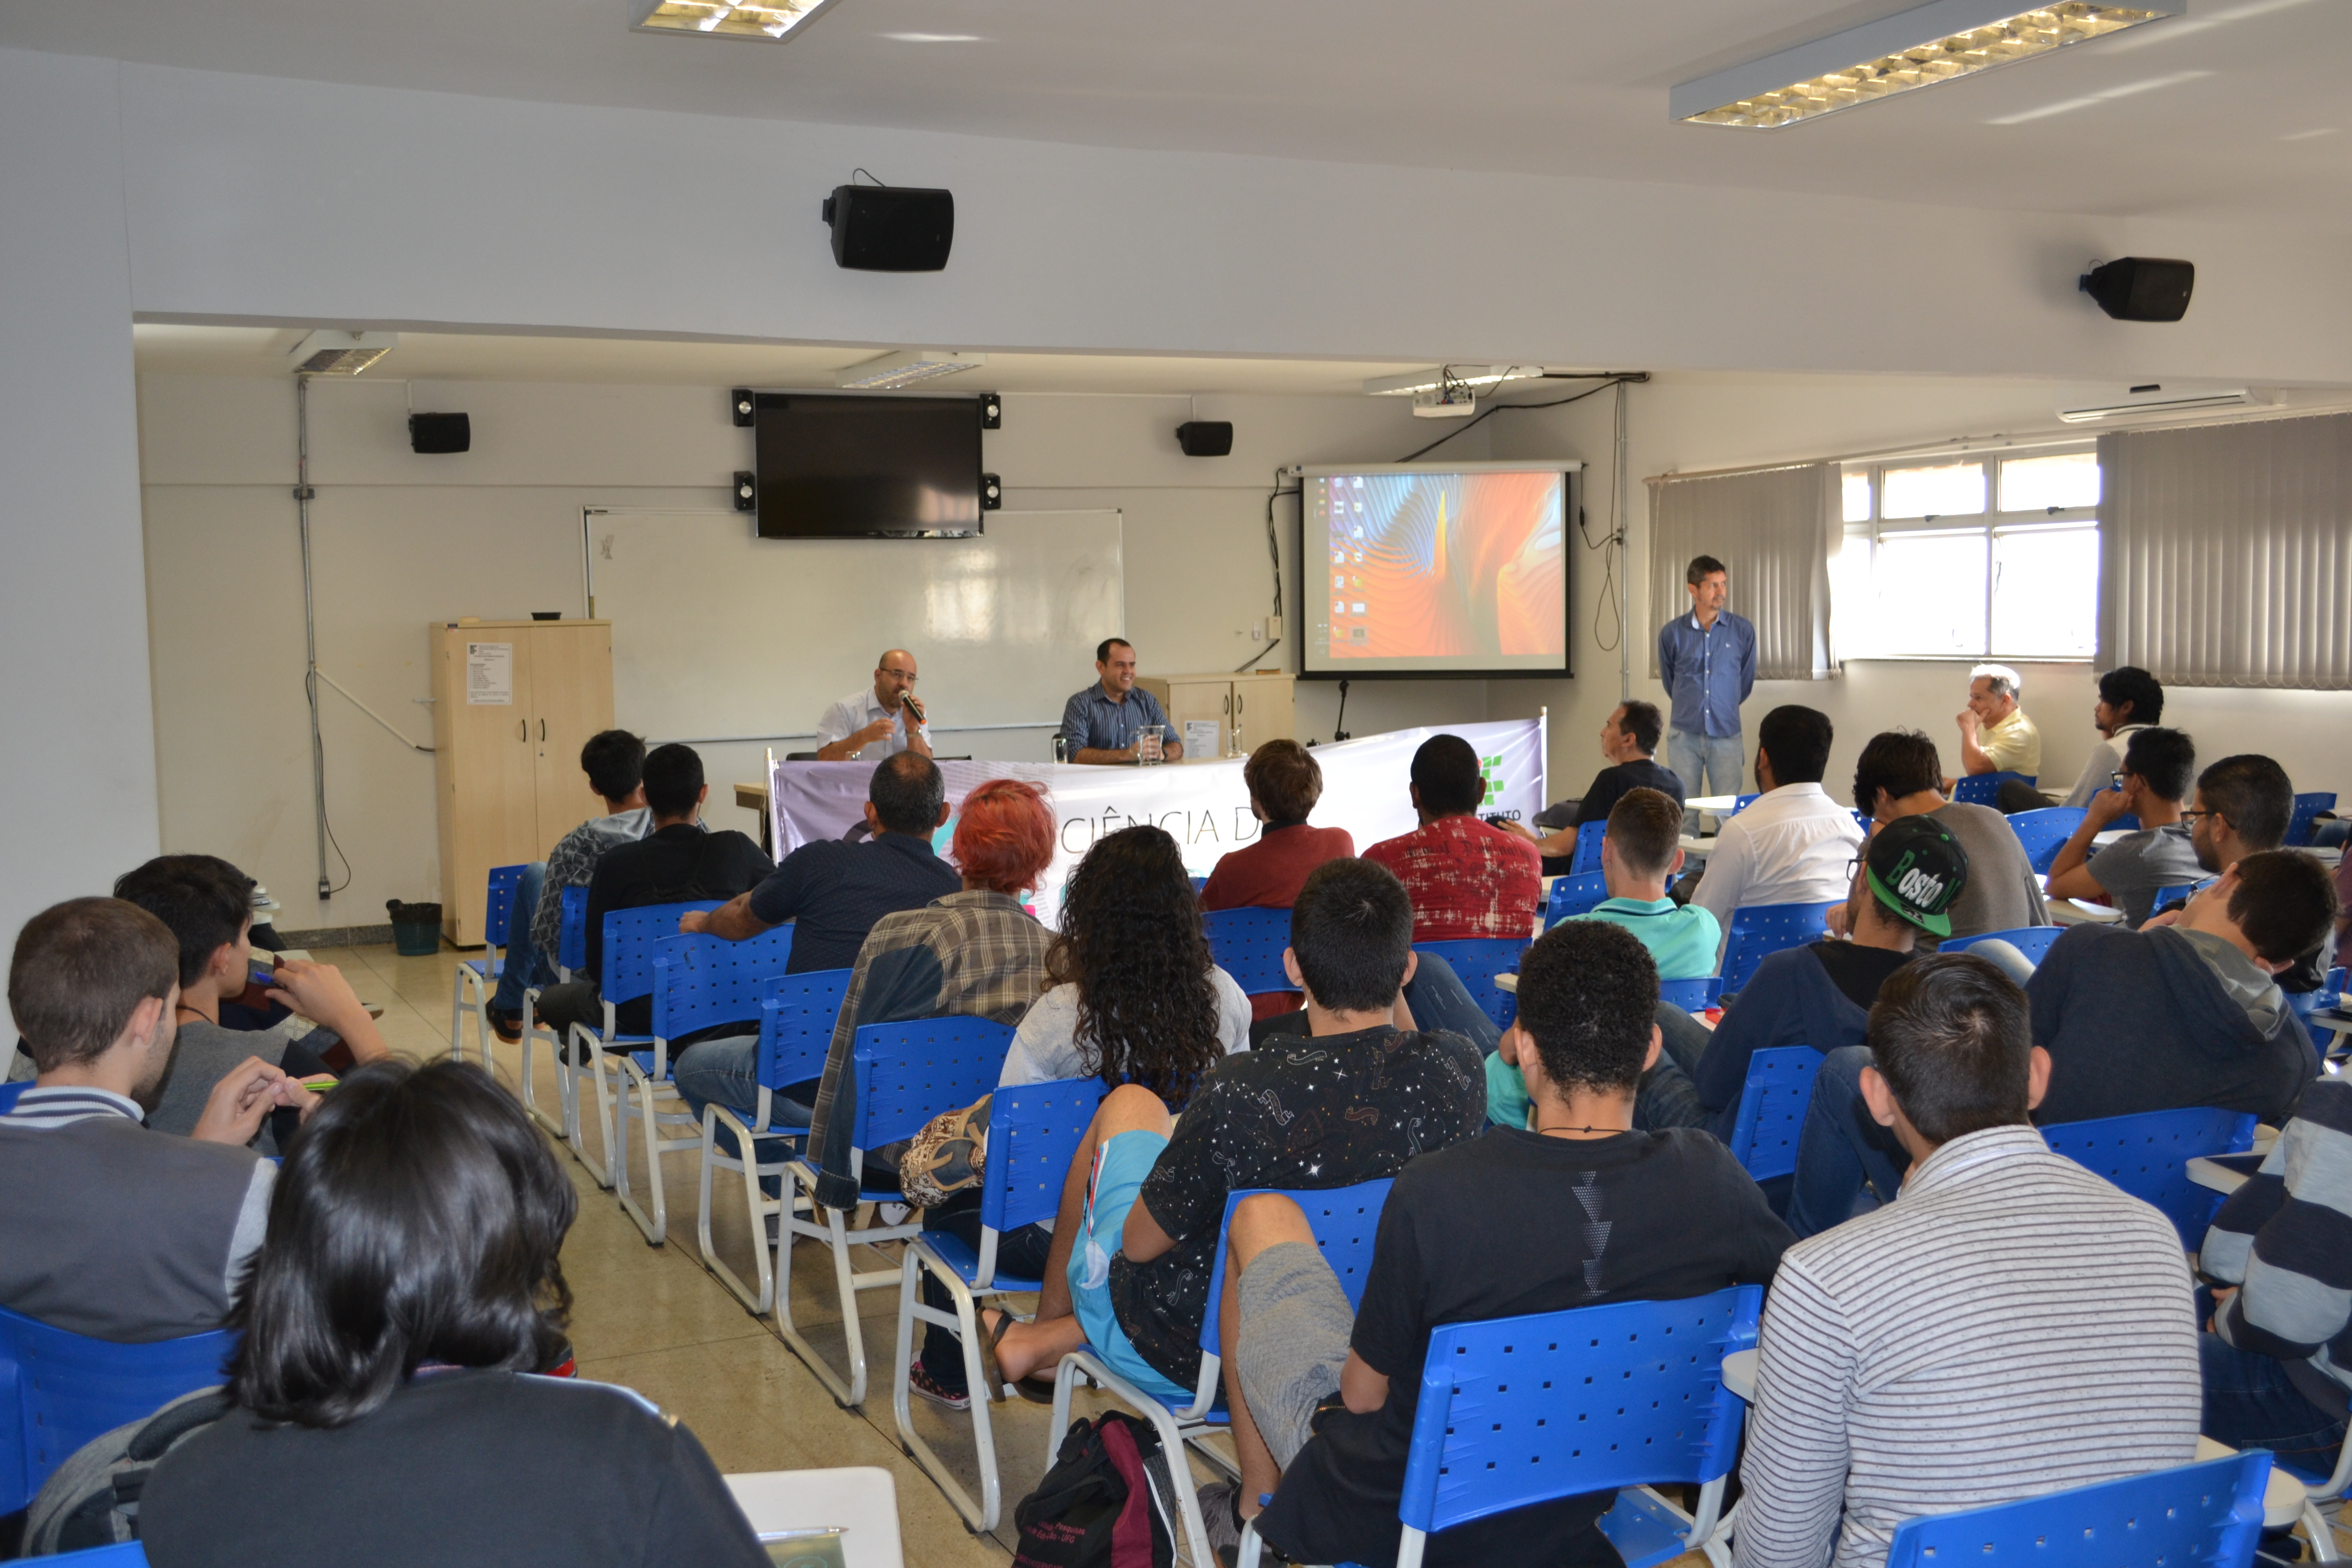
[{"x": 2009, "y": 1325}]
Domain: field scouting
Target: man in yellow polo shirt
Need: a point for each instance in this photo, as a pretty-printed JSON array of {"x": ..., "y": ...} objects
[{"x": 1996, "y": 737}]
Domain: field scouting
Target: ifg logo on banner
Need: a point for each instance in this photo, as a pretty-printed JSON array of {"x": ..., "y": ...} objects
[{"x": 1490, "y": 774}]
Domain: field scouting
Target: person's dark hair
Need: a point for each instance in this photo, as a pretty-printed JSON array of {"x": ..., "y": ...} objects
[
  {"x": 1133, "y": 944},
  {"x": 1798, "y": 740},
  {"x": 1704, "y": 566},
  {"x": 1953, "y": 1038},
  {"x": 1589, "y": 999},
  {"x": 908, "y": 792},
  {"x": 202, "y": 899},
  {"x": 1102, "y": 648},
  {"x": 417, "y": 1218},
  {"x": 2163, "y": 759},
  {"x": 1643, "y": 721},
  {"x": 2254, "y": 796},
  {"x": 2284, "y": 903},
  {"x": 614, "y": 761},
  {"x": 1351, "y": 932},
  {"x": 2130, "y": 684},
  {"x": 1895, "y": 763},
  {"x": 1446, "y": 770},
  {"x": 1646, "y": 825},
  {"x": 79, "y": 971},
  {"x": 1285, "y": 780},
  {"x": 673, "y": 780}
]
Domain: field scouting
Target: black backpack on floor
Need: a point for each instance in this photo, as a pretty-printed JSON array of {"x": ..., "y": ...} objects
[
  {"x": 92, "y": 1500},
  {"x": 1104, "y": 1503}
]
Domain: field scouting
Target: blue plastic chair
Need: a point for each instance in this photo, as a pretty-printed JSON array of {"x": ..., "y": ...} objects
[
  {"x": 699, "y": 982},
  {"x": 570, "y": 954},
  {"x": 1772, "y": 1109},
  {"x": 630, "y": 936},
  {"x": 2178, "y": 895},
  {"x": 1570, "y": 896},
  {"x": 1034, "y": 1131},
  {"x": 481, "y": 975},
  {"x": 2148, "y": 1156},
  {"x": 2044, "y": 833},
  {"x": 1758, "y": 931},
  {"x": 2307, "y": 808},
  {"x": 1248, "y": 945},
  {"x": 1984, "y": 789},
  {"x": 59, "y": 1390},
  {"x": 2031, "y": 940},
  {"x": 1518, "y": 1411},
  {"x": 1587, "y": 857},
  {"x": 1477, "y": 961},
  {"x": 2206, "y": 1515},
  {"x": 1740, "y": 803},
  {"x": 9, "y": 1092},
  {"x": 797, "y": 1012},
  {"x": 1345, "y": 1221},
  {"x": 1691, "y": 996},
  {"x": 904, "y": 1074}
]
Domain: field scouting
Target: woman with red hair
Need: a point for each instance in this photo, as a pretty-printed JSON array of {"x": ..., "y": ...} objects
[{"x": 972, "y": 953}]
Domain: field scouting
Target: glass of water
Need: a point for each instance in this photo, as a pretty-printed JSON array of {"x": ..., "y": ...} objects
[{"x": 1148, "y": 744}]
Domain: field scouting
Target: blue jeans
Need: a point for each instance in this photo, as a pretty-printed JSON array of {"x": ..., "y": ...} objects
[
  {"x": 2331, "y": 835},
  {"x": 1708, "y": 764},
  {"x": 726, "y": 1072},
  {"x": 1840, "y": 1147},
  {"x": 526, "y": 965},
  {"x": 2250, "y": 1404}
]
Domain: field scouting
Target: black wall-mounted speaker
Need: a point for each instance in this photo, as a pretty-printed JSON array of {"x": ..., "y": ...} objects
[
  {"x": 1206, "y": 437},
  {"x": 991, "y": 411},
  {"x": 739, "y": 406},
  {"x": 432, "y": 432},
  {"x": 891, "y": 228},
  {"x": 747, "y": 490},
  {"x": 991, "y": 492},
  {"x": 2141, "y": 287}
]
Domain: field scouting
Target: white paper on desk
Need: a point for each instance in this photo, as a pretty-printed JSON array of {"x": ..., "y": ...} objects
[
  {"x": 489, "y": 674},
  {"x": 1200, "y": 738}
]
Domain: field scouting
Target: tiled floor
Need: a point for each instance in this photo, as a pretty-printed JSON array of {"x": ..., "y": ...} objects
[{"x": 654, "y": 1319}]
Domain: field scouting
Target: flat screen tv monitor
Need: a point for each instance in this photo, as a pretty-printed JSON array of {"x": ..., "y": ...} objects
[
  {"x": 1410, "y": 570},
  {"x": 837, "y": 466}
]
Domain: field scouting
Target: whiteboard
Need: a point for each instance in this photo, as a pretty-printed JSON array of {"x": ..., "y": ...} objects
[{"x": 720, "y": 635}]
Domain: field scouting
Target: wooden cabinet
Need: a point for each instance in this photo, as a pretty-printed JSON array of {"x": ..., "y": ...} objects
[
  {"x": 513, "y": 701},
  {"x": 1248, "y": 709}
]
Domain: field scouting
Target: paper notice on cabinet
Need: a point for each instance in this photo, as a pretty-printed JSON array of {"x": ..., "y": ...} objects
[
  {"x": 1200, "y": 739},
  {"x": 489, "y": 674}
]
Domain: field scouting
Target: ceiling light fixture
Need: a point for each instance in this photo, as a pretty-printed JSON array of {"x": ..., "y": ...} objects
[
  {"x": 904, "y": 368},
  {"x": 331, "y": 353},
  {"x": 772, "y": 20},
  {"x": 1437, "y": 376},
  {"x": 1941, "y": 41}
]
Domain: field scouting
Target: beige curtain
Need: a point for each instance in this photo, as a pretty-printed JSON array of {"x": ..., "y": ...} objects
[
  {"x": 1774, "y": 530},
  {"x": 2227, "y": 553}
]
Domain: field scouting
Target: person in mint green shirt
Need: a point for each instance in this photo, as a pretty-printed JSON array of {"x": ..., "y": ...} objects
[{"x": 1640, "y": 853}]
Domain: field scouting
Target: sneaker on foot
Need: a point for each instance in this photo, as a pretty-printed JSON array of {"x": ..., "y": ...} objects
[
  {"x": 920, "y": 1380},
  {"x": 1221, "y": 1513},
  {"x": 505, "y": 1026}
]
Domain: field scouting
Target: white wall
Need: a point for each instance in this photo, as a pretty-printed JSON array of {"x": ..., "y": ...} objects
[
  {"x": 1699, "y": 422},
  {"x": 401, "y": 540},
  {"x": 73, "y": 627}
]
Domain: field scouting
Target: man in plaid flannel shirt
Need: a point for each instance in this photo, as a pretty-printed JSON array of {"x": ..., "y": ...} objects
[{"x": 1466, "y": 878}]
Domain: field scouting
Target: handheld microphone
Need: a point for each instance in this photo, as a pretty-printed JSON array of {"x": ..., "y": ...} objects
[{"x": 912, "y": 707}]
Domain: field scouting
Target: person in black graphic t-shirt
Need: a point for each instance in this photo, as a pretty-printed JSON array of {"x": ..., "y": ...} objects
[
  {"x": 1629, "y": 739},
  {"x": 1596, "y": 1213},
  {"x": 1137, "y": 1237}
]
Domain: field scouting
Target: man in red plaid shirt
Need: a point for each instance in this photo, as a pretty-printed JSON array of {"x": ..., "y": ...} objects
[{"x": 1466, "y": 878}]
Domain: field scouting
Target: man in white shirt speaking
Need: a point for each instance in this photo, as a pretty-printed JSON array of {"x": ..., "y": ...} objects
[
  {"x": 879, "y": 721},
  {"x": 1794, "y": 845}
]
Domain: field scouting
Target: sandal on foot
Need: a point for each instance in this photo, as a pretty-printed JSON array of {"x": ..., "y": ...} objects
[{"x": 1032, "y": 1388}]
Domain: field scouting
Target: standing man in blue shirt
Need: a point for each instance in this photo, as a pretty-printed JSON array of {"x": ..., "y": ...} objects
[
  {"x": 1103, "y": 723},
  {"x": 1707, "y": 660}
]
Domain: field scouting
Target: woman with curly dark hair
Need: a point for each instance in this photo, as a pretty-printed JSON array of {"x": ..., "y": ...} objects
[{"x": 1133, "y": 997}]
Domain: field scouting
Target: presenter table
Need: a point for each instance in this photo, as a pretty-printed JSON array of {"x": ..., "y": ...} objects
[{"x": 861, "y": 1503}]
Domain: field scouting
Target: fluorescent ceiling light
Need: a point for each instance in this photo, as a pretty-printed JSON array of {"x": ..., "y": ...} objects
[
  {"x": 773, "y": 20},
  {"x": 327, "y": 352},
  {"x": 1940, "y": 41},
  {"x": 904, "y": 368},
  {"x": 1429, "y": 380}
]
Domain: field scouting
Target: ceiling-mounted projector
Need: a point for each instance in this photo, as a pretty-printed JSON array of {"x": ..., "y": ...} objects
[
  {"x": 2153, "y": 398},
  {"x": 1452, "y": 401},
  {"x": 329, "y": 353}
]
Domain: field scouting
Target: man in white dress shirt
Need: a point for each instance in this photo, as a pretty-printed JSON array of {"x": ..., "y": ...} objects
[
  {"x": 879, "y": 721},
  {"x": 1793, "y": 845}
]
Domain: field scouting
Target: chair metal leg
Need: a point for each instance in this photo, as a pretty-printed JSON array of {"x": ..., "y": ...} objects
[
  {"x": 2323, "y": 1534},
  {"x": 758, "y": 1204},
  {"x": 565, "y": 1124},
  {"x": 602, "y": 1169},
  {"x": 633, "y": 1085},
  {"x": 457, "y": 1014},
  {"x": 828, "y": 1228},
  {"x": 1163, "y": 1421},
  {"x": 981, "y": 1516}
]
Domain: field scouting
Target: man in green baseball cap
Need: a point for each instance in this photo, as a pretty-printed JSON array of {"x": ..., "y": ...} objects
[{"x": 1918, "y": 870}]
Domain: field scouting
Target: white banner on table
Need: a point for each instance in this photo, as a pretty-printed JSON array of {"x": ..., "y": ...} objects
[{"x": 1203, "y": 805}]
